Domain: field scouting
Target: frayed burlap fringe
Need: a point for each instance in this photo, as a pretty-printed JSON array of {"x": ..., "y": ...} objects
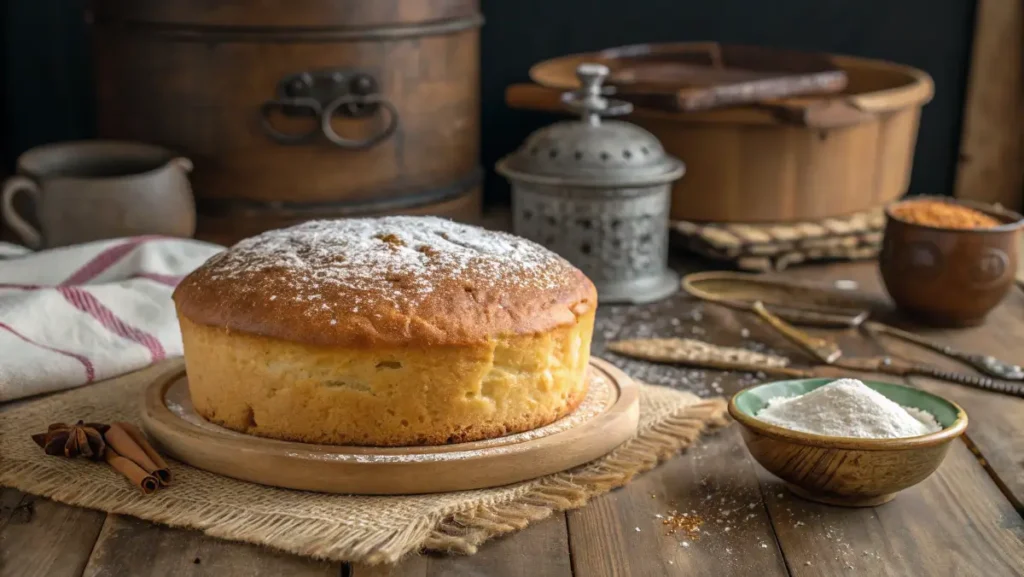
[
  {"x": 337, "y": 527},
  {"x": 464, "y": 532}
]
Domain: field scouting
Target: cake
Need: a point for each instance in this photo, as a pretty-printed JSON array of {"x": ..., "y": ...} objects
[{"x": 392, "y": 331}]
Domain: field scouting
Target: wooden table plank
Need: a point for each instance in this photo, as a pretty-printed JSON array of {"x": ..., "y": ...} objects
[
  {"x": 129, "y": 546},
  {"x": 46, "y": 539},
  {"x": 714, "y": 482},
  {"x": 996, "y": 427},
  {"x": 10, "y": 499},
  {"x": 411, "y": 566},
  {"x": 540, "y": 550},
  {"x": 715, "y": 485},
  {"x": 956, "y": 522}
]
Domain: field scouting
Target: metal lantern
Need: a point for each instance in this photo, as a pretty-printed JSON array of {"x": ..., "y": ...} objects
[{"x": 597, "y": 193}]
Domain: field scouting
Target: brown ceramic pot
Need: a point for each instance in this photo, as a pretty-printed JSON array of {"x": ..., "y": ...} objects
[{"x": 949, "y": 277}]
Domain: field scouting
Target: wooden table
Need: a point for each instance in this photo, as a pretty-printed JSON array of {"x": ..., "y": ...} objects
[{"x": 964, "y": 520}]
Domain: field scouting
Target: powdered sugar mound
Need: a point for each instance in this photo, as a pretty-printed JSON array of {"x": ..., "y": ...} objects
[
  {"x": 848, "y": 408},
  {"x": 397, "y": 258},
  {"x": 926, "y": 418}
]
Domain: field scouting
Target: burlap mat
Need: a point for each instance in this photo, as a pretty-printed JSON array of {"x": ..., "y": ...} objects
[
  {"x": 336, "y": 527},
  {"x": 767, "y": 247}
]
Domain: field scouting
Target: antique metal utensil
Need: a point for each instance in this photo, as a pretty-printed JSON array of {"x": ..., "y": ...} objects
[
  {"x": 830, "y": 354},
  {"x": 824, "y": 350},
  {"x": 818, "y": 306},
  {"x": 897, "y": 367},
  {"x": 825, "y": 307},
  {"x": 700, "y": 354},
  {"x": 982, "y": 363}
]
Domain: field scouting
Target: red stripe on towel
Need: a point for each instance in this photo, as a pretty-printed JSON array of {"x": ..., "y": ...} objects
[
  {"x": 106, "y": 259},
  {"x": 87, "y": 303},
  {"x": 90, "y": 370}
]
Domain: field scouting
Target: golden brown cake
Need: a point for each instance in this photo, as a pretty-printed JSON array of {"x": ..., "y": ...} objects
[{"x": 389, "y": 331}]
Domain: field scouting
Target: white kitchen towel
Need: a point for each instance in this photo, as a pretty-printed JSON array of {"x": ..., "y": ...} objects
[{"x": 70, "y": 316}]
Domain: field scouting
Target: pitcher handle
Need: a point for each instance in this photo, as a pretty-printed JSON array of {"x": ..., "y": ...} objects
[
  {"x": 12, "y": 186},
  {"x": 182, "y": 163}
]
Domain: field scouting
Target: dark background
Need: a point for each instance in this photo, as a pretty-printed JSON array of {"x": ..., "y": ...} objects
[{"x": 48, "y": 94}]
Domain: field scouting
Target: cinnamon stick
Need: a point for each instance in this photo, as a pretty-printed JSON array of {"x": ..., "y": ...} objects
[
  {"x": 144, "y": 481},
  {"x": 136, "y": 434},
  {"x": 122, "y": 442}
]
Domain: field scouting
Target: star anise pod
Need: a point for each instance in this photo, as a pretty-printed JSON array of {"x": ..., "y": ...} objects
[{"x": 81, "y": 439}]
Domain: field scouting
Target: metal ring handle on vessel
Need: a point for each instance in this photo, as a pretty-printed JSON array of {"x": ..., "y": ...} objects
[
  {"x": 282, "y": 104},
  {"x": 341, "y": 141}
]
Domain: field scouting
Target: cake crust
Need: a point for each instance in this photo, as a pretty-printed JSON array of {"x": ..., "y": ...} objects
[{"x": 392, "y": 281}]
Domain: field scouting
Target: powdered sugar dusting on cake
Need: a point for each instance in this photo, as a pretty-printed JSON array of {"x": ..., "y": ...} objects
[{"x": 396, "y": 258}]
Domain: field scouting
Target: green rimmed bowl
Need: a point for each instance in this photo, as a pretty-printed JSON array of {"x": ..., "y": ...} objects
[{"x": 846, "y": 471}]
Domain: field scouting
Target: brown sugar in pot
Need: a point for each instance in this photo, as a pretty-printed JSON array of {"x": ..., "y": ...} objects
[
  {"x": 943, "y": 275},
  {"x": 242, "y": 88}
]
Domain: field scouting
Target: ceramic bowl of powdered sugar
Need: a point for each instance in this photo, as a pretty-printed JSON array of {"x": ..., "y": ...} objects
[{"x": 847, "y": 442}]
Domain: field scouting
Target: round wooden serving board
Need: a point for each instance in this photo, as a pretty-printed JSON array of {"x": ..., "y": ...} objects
[{"x": 605, "y": 419}]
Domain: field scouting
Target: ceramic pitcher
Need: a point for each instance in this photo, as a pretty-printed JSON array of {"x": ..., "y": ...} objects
[{"x": 93, "y": 190}]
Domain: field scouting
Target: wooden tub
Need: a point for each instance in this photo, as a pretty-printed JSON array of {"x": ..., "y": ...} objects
[{"x": 799, "y": 159}]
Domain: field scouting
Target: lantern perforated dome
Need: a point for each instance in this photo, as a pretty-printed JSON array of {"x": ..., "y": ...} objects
[{"x": 612, "y": 153}]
